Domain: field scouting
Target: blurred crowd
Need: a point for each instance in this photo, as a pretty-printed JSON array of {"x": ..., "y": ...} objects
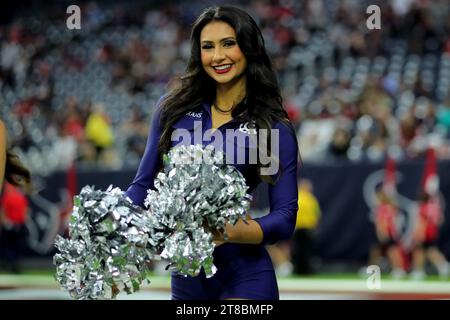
[{"x": 354, "y": 94}]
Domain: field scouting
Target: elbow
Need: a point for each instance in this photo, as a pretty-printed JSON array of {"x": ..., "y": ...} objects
[
  {"x": 289, "y": 229},
  {"x": 282, "y": 228},
  {"x": 291, "y": 218},
  {"x": 284, "y": 233}
]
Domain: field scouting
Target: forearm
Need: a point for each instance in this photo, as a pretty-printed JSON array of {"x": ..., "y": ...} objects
[{"x": 248, "y": 231}]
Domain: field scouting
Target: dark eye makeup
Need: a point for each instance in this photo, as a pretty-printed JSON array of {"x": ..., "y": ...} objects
[{"x": 226, "y": 43}]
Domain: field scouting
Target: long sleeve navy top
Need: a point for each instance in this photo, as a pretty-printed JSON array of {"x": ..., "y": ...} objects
[{"x": 279, "y": 224}]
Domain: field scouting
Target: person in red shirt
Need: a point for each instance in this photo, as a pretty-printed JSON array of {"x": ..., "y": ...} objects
[
  {"x": 387, "y": 233},
  {"x": 430, "y": 217},
  {"x": 13, "y": 215},
  {"x": 13, "y": 203}
]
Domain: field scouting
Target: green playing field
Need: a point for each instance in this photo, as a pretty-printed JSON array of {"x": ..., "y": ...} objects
[{"x": 40, "y": 284}]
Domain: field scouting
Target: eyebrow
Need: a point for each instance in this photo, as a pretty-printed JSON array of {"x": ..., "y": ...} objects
[{"x": 221, "y": 40}]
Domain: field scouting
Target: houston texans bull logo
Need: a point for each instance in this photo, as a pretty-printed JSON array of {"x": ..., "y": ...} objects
[{"x": 248, "y": 127}]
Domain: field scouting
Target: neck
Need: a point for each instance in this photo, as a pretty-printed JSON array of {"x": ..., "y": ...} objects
[{"x": 230, "y": 94}]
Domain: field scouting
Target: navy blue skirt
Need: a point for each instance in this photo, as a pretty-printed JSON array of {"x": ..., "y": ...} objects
[{"x": 244, "y": 272}]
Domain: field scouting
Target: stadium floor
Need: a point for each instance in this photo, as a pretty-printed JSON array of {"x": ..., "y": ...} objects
[{"x": 44, "y": 287}]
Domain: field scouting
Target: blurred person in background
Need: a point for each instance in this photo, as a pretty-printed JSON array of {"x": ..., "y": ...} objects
[
  {"x": 99, "y": 131},
  {"x": 426, "y": 234},
  {"x": 308, "y": 217},
  {"x": 430, "y": 218},
  {"x": 230, "y": 83},
  {"x": 387, "y": 233},
  {"x": 280, "y": 253},
  {"x": 13, "y": 205}
]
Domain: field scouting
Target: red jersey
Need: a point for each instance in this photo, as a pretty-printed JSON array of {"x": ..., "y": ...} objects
[
  {"x": 385, "y": 214},
  {"x": 430, "y": 213},
  {"x": 14, "y": 204}
]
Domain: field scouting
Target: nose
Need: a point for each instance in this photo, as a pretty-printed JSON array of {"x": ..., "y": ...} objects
[{"x": 219, "y": 55}]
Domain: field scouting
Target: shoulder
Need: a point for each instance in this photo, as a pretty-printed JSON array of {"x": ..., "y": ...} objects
[
  {"x": 159, "y": 105},
  {"x": 286, "y": 131},
  {"x": 157, "y": 112},
  {"x": 284, "y": 124},
  {"x": 185, "y": 120}
]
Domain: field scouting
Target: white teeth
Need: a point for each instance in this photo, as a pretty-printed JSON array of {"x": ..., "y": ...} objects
[{"x": 223, "y": 67}]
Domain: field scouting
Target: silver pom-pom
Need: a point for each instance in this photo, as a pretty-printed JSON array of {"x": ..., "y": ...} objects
[
  {"x": 110, "y": 243},
  {"x": 196, "y": 189}
]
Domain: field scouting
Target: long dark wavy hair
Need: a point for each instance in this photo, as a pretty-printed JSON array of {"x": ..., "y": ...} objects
[
  {"x": 262, "y": 102},
  {"x": 16, "y": 173}
]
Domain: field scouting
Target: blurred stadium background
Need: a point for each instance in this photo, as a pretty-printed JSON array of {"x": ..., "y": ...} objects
[{"x": 77, "y": 104}]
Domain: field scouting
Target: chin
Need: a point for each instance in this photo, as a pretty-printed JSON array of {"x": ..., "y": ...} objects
[{"x": 223, "y": 80}]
